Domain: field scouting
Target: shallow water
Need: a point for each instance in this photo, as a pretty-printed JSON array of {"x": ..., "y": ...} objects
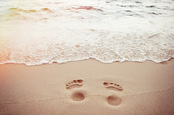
[{"x": 39, "y": 31}]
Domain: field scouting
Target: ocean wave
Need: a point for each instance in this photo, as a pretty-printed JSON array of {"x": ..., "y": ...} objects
[{"x": 37, "y": 32}]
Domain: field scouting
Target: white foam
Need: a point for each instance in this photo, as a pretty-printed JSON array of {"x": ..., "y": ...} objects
[{"x": 37, "y": 32}]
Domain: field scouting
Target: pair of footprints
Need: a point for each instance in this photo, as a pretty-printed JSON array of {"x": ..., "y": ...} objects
[{"x": 80, "y": 96}]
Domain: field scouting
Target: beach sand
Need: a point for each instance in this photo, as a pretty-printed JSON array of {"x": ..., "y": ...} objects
[{"x": 88, "y": 87}]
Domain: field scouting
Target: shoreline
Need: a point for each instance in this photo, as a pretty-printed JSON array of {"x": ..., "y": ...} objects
[
  {"x": 48, "y": 63},
  {"x": 147, "y": 88}
]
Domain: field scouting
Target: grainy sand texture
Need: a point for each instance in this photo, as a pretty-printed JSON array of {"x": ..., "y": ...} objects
[{"x": 88, "y": 88}]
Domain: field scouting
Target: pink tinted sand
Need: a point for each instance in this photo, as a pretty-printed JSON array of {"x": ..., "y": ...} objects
[{"x": 88, "y": 88}]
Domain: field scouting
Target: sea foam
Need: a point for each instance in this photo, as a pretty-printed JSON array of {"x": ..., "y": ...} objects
[{"x": 40, "y": 31}]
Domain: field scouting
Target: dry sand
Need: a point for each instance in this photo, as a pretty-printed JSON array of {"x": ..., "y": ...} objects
[{"x": 88, "y": 88}]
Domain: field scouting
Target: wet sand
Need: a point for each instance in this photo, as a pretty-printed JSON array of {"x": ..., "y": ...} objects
[{"x": 88, "y": 87}]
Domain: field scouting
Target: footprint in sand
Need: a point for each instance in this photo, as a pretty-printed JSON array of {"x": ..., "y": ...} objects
[
  {"x": 112, "y": 86},
  {"x": 113, "y": 99},
  {"x": 77, "y": 95},
  {"x": 74, "y": 84}
]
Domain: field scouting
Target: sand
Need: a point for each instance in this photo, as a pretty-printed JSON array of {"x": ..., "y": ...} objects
[{"x": 88, "y": 88}]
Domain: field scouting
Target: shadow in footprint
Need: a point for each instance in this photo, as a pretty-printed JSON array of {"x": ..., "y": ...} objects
[
  {"x": 112, "y": 86},
  {"x": 74, "y": 84},
  {"x": 114, "y": 100},
  {"x": 78, "y": 96}
]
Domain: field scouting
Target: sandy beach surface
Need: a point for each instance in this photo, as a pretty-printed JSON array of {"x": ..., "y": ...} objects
[{"x": 88, "y": 88}]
